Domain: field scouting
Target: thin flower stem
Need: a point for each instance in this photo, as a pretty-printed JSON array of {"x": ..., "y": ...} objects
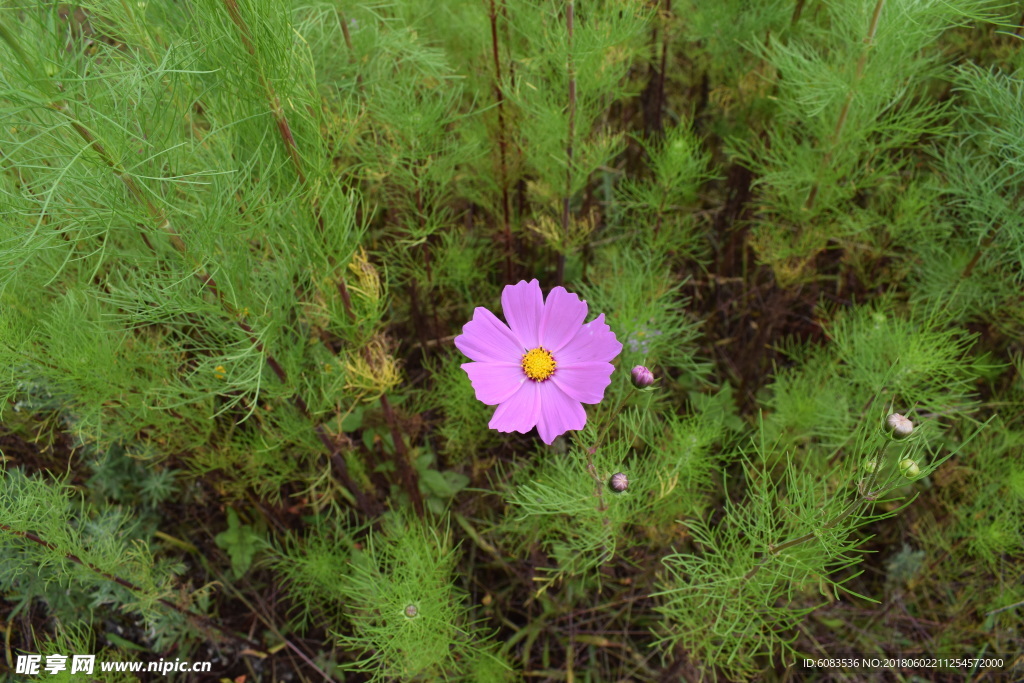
[
  {"x": 598, "y": 483},
  {"x": 844, "y": 113},
  {"x": 985, "y": 244},
  {"x": 611, "y": 419},
  {"x": 346, "y": 35},
  {"x": 499, "y": 96},
  {"x": 797, "y": 11},
  {"x": 660, "y": 212},
  {"x": 570, "y": 67},
  {"x": 660, "y": 95},
  {"x": 602, "y": 506}
]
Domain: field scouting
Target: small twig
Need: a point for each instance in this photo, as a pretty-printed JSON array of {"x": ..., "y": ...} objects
[{"x": 1003, "y": 609}]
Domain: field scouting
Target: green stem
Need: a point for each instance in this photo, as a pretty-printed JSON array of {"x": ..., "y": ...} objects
[
  {"x": 865, "y": 497},
  {"x": 844, "y": 113}
]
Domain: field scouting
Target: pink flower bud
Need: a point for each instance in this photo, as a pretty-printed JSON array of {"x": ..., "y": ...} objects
[{"x": 642, "y": 377}]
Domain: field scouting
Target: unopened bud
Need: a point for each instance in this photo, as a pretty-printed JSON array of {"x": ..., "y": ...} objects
[
  {"x": 642, "y": 377},
  {"x": 870, "y": 465},
  {"x": 619, "y": 482},
  {"x": 411, "y": 611},
  {"x": 679, "y": 151},
  {"x": 899, "y": 426},
  {"x": 909, "y": 468}
]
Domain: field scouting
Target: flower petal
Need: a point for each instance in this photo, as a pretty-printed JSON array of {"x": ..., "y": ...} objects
[
  {"x": 519, "y": 413},
  {"x": 487, "y": 339},
  {"x": 583, "y": 382},
  {"x": 523, "y": 304},
  {"x": 563, "y": 315},
  {"x": 558, "y": 413},
  {"x": 494, "y": 383},
  {"x": 594, "y": 341}
]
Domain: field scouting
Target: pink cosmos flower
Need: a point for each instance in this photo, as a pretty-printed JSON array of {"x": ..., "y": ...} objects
[{"x": 543, "y": 365}]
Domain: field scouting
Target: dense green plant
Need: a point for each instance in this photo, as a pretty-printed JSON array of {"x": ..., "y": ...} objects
[
  {"x": 238, "y": 239},
  {"x": 79, "y": 558}
]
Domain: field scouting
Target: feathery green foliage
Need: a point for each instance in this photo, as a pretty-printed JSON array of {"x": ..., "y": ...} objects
[
  {"x": 400, "y": 599},
  {"x": 238, "y": 238}
]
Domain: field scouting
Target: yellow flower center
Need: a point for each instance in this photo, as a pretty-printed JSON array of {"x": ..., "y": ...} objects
[{"x": 538, "y": 364}]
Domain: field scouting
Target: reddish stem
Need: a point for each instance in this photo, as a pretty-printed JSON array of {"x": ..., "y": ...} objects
[
  {"x": 506, "y": 206},
  {"x": 202, "y": 619}
]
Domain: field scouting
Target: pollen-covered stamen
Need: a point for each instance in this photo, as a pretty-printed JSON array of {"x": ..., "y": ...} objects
[{"x": 538, "y": 364}]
